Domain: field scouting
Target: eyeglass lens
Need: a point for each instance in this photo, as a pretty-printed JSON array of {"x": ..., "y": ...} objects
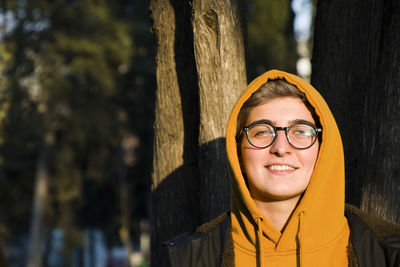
[{"x": 298, "y": 135}]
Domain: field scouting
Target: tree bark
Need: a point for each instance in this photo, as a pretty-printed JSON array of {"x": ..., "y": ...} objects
[
  {"x": 200, "y": 73},
  {"x": 356, "y": 67},
  {"x": 175, "y": 195},
  {"x": 219, "y": 55}
]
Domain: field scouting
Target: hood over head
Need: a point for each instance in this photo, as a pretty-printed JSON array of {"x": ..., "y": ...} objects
[{"x": 317, "y": 226}]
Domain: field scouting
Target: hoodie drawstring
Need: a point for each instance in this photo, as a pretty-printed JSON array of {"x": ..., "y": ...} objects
[
  {"x": 260, "y": 243},
  {"x": 300, "y": 238}
]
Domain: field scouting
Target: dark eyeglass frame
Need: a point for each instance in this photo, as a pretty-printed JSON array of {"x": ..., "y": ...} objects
[{"x": 286, "y": 129}]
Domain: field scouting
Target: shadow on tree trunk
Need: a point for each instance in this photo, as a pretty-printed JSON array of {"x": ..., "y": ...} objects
[{"x": 177, "y": 204}]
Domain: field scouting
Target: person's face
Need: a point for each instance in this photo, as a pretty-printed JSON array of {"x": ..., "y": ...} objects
[{"x": 280, "y": 171}]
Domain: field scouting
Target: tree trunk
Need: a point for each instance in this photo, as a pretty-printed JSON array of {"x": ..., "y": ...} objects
[
  {"x": 39, "y": 203},
  {"x": 175, "y": 195},
  {"x": 356, "y": 67},
  {"x": 219, "y": 55},
  {"x": 200, "y": 72},
  {"x": 124, "y": 230}
]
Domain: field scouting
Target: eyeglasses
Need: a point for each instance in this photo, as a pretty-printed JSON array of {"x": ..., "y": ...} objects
[{"x": 299, "y": 135}]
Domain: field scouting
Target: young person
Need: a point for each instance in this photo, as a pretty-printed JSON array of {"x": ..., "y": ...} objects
[{"x": 287, "y": 175}]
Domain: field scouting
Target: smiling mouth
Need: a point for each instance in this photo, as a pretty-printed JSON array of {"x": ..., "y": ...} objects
[{"x": 280, "y": 168}]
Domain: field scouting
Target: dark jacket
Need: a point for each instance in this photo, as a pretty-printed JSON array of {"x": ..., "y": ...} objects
[{"x": 373, "y": 242}]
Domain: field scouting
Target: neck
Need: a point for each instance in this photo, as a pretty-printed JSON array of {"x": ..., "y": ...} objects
[{"x": 277, "y": 212}]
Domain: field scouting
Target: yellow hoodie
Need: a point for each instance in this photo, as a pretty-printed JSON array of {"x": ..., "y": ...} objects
[{"x": 317, "y": 232}]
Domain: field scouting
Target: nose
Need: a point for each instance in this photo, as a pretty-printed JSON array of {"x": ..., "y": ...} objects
[{"x": 281, "y": 145}]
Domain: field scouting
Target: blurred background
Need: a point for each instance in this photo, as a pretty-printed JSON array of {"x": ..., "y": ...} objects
[{"x": 77, "y": 93}]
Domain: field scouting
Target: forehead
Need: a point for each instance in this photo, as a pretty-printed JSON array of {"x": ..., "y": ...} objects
[{"x": 281, "y": 111}]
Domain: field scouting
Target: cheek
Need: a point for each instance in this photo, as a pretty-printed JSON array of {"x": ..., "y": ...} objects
[
  {"x": 250, "y": 158},
  {"x": 310, "y": 157}
]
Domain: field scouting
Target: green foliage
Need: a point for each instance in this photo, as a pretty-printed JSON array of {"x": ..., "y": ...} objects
[
  {"x": 271, "y": 43},
  {"x": 78, "y": 78}
]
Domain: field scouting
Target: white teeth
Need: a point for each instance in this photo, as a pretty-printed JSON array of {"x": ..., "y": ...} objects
[{"x": 280, "y": 167}]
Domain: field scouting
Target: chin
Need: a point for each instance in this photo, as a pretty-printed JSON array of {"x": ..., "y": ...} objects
[{"x": 282, "y": 196}]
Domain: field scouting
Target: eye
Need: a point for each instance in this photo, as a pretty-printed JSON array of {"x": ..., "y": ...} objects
[
  {"x": 302, "y": 131},
  {"x": 262, "y": 131}
]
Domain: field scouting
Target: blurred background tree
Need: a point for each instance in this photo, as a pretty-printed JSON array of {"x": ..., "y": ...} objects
[
  {"x": 271, "y": 40},
  {"x": 76, "y": 101}
]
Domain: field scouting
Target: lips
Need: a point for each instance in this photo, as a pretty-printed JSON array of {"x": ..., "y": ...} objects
[{"x": 280, "y": 167}]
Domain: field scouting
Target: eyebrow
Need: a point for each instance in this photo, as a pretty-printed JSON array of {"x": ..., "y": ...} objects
[
  {"x": 291, "y": 122},
  {"x": 262, "y": 121},
  {"x": 301, "y": 121}
]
